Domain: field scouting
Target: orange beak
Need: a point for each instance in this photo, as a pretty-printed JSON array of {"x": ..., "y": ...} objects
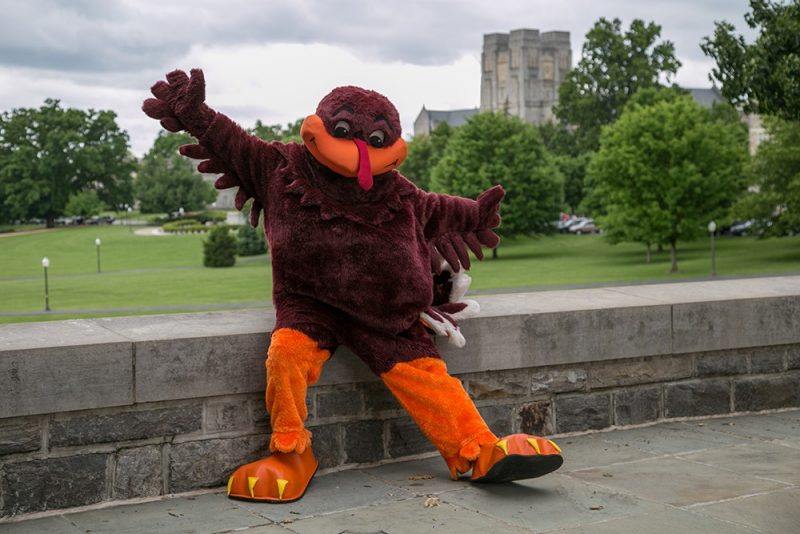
[{"x": 350, "y": 157}]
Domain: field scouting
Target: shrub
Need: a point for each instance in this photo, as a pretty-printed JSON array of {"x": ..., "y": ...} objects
[
  {"x": 219, "y": 250},
  {"x": 183, "y": 226},
  {"x": 250, "y": 241}
]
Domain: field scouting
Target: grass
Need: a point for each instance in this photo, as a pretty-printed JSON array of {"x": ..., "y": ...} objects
[{"x": 145, "y": 274}]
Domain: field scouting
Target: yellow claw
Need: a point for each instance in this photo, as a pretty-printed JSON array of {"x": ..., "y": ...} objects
[
  {"x": 281, "y": 487},
  {"x": 535, "y": 445},
  {"x": 556, "y": 447},
  {"x": 503, "y": 444},
  {"x": 230, "y": 483},
  {"x": 251, "y": 483}
]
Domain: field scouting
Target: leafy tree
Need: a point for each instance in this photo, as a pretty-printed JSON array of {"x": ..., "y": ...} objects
[
  {"x": 250, "y": 241},
  {"x": 50, "y": 153},
  {"x": 424, "y": 152},
  {"x": 664, "y": 171},
  {"x": 167, "y": 181},
  {"x": 614, "y": 65},
  {"x": 84, "y": 203},
  {"x": 276, "y": 132},
  {"x": 562, "y": 142},
  {"x": 763, "y": 77},
  {"x": 774, "y": 203},
  {"x": 496, "y": 148},
  {"x": 219, "y": 250}
]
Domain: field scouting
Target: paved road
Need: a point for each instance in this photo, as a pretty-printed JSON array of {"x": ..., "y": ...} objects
[{"x": 730, "y": 475}]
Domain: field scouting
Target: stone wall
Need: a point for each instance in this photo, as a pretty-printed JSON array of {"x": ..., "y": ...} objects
[{"x": 118, "y": 408}]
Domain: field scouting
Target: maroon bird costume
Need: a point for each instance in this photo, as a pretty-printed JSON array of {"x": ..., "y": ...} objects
[{"x": 352, "y": 264}]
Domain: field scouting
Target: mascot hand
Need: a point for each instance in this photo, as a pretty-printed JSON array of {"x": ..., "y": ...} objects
[
  {"x": 443, "y": 324},
  {"x": 179, "y": 103}
]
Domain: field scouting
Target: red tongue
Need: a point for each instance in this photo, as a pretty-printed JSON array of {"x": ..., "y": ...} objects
[{"x": 364, "y": 168}]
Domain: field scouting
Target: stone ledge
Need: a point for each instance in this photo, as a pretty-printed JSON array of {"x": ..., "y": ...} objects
[{"x": 85, "y": 364}]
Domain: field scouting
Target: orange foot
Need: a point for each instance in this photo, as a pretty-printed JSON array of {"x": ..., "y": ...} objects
[
  {"x": 280, "y": 478},
  {"x": 516, "y": 457}
]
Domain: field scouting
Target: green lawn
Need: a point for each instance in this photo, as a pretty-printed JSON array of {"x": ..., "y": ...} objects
[{"x": 146, "y": 274}]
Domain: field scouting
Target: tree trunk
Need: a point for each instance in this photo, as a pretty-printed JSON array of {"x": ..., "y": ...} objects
[
  {"x": 51, "y": 221},
  {"x": 647, "y": 260},
  {"x": 494, "y": 253},
  {"x": 660, "y": 248},
  {"x": 673, "y": 253}
]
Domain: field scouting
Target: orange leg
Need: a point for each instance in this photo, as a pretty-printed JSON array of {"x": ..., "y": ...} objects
[
  {"x": 294, "y": 361},
  {"x": 439, "y": 405}
]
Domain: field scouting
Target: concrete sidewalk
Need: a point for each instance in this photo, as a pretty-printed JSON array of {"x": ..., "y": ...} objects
[{"x": 732, "y": 475}]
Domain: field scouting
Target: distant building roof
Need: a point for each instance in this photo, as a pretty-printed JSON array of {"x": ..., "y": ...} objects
[
  {"x": 428, "y": 119},
  {"x": 706, "y": 97}
]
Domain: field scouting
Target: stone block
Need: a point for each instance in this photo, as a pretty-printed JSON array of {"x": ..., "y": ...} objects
[
  {"x": 64, "y": 378},
  {"x": 498, "y": 418},
  {"x": 720, "y": 325},
  {"x": 168, "y": 369},
  {"x": 639, "y": 371},
  {"x": 339, "y": 403},
  {"x": 765, "y": 393},
  {"x": 698, "y": 397},
  {"x": 363, "y": 442},
  {"x": 20, "y": 435},
  {"x": 793, "y": 356},
  {"x": 536, "y": 418},
  {"x": 493, "y": 343},
  {"x": 227, "y": 415},
  {"x": 586, "y": 412},
  {"x": 405, "y": 439},
  {"x": 603, "y": 334},
  {"x": 498, "y": 384},
  {"x": 558, "y": 380},
  {"x": 636, "y": 406},
  {"x": 767, "y": 359},
  {"x": 722, "y": 363},
  {"x": 53, "y": 483},
  {"x": 141, "y": 424},
  {"x": 378, "y": 399},
  {"x": 209, "y": 463},
  {"x": 327, "y": 443},
  {"x": 138, "y": 473},
  {"x": 258, "y": 413}
]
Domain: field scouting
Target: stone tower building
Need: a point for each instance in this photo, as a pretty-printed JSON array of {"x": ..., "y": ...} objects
[{"x": 522, "y": 71}]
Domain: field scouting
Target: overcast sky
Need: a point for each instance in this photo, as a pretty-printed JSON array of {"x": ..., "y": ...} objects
[{"x": 273, "y": 60}]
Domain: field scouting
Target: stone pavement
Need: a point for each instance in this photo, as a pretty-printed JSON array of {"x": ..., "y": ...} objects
[{"x": 737, "y": 474}]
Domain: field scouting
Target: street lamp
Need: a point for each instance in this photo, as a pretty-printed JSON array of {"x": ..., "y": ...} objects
[
  {"x": 712, "y": 227},
  {"x": 45, "y": 265},
  {"x": 97, "y": 245}
]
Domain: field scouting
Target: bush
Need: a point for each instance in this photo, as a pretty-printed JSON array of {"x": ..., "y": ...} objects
[
  {"x": 184, "y": 226},
  {"x": 219, "y": 250},
  {"x": 207, "y": 216},
  {"x": 250, "y": 241}
]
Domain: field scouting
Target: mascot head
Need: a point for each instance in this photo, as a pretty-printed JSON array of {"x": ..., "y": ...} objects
[{"x": 356, "y": 133}]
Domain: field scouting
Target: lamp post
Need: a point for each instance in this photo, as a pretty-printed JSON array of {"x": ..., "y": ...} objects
[
  {"x": 712, "y": 227},
  {"x": 45, "y": 265},
  {"x": 97, "y": 245}
]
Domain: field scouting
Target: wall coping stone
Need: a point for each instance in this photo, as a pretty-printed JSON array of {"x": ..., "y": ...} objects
[{"x": 60, "y": 366}]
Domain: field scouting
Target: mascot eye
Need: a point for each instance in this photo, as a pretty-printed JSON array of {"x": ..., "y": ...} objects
[
  {"x": 376, "y": 138},
  {"x": 342, "y": 129}
]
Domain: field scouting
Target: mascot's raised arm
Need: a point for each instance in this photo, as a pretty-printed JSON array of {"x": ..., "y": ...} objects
[{"x": 361, "y": 257}]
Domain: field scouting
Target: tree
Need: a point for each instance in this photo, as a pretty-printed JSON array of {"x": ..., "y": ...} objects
[
  {"x": 250, "y": 241},
  {"x": 664, "y": 171},
  {"x": 219, "y": 250},
  {"x": 424, "y": 152},
  {"x": 494, "y": 148},
  {"x": 50, "y": 153},
  {"x": 562, "y": 143},
  {"x": 276, "y": 132},
  {"x": 774, "y": 202},
  {"x": 614, "y": 65},
  {"x": 761, "y": 77},
  {"x": 84, "y": 203},
  {"x": 167, "y": 181}
]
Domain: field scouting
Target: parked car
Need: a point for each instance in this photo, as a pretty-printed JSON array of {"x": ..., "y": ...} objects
[
  {"x": 584, "y": 226},
  {"x": 741, "y": 228}
]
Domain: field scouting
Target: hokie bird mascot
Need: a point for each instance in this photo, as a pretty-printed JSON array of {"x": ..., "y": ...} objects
[{"x": 355, "y": 247}]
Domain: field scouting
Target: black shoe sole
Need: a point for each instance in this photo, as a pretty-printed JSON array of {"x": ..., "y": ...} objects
[{"x": 519, "y": 467}]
